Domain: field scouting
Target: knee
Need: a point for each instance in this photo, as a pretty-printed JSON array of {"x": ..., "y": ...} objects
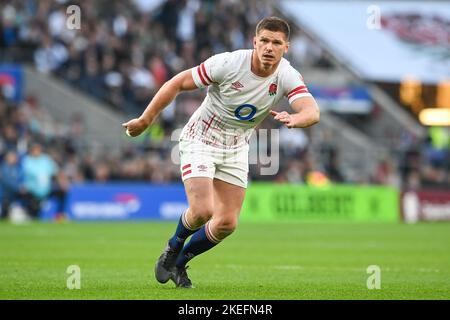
[
  {"x": 200, "y": 215},
  {"x": 225, "y": 226}
]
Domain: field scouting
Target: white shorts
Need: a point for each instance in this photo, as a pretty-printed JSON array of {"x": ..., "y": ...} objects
[{"x": 201, "y": 160}]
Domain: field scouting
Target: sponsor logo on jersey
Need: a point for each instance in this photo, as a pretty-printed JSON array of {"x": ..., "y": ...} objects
[
  {"x": 245, "y": 115},
  {"x": 237, "y": 86},
  {"x": 273, "y": 89}
]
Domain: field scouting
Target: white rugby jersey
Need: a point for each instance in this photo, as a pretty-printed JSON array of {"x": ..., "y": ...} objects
[{"x": 237, "y": 99}]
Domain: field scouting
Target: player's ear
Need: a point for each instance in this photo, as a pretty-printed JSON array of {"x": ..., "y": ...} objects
[
  {"x": 286, "y": 49},
  {"x": 254, "y": 42}
]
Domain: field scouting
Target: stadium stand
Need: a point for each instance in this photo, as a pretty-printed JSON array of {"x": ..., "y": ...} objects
[{"x": 109, "y": 69}]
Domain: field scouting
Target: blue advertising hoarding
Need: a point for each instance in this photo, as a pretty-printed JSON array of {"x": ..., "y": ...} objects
[
  {"x": 347, "y": 99},
  {"x": 122, "y": 202},
  {"x": 11, "y": 81}
]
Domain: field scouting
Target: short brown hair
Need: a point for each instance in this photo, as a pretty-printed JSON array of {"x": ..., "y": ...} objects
[{"x": 274, "y": 24}]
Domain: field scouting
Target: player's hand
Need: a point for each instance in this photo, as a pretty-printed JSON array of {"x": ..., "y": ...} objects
[
  {"x": 284, "y": 117},
  {"x": 135, "y": 127}
]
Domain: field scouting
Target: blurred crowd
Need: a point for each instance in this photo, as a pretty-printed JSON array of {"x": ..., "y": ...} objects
[{"x": 122, "y": 53}]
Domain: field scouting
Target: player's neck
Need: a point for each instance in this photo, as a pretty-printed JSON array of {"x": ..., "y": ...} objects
[{"x": 260, "y": 69}]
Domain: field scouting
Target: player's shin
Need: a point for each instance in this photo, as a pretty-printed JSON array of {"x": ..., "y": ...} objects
[{"x": 183, "y": 231}]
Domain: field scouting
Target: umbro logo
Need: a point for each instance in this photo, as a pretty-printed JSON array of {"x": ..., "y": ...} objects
[{"x": 237, "y": 86}]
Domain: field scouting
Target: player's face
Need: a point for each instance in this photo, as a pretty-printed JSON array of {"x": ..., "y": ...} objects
[{"x": 270, "y": 46}]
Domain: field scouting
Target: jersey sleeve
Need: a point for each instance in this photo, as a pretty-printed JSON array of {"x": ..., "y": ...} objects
[
  {"x": 213, "y": 70},
  {"x": 293, "y": 85}
]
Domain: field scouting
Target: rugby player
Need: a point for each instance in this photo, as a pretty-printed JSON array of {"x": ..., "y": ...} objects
[{"x": 243, "y": 86}]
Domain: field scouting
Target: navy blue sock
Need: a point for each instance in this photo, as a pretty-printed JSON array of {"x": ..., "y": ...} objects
[
  {"x": 200, "y": 242},
  {"x": 181, "y": 234}
]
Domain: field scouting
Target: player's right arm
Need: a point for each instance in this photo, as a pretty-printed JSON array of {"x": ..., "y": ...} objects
[
  {"x": 211, "y": 71},
  {"x": 181, "y": 82}
]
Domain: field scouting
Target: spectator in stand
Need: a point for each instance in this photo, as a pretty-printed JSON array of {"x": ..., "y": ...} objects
[
  {"x": 10, "y": 183},
  {"x": 50, "y": 56},
  {"x": 43, "y": 180},
  {"x": 386, "y": 173}
]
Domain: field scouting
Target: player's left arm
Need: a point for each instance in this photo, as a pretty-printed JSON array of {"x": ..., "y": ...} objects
[{"x": 307, "y": 113}]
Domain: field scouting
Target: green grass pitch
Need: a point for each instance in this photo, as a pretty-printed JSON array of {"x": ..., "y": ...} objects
[{"x": 259, "y": 261}]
